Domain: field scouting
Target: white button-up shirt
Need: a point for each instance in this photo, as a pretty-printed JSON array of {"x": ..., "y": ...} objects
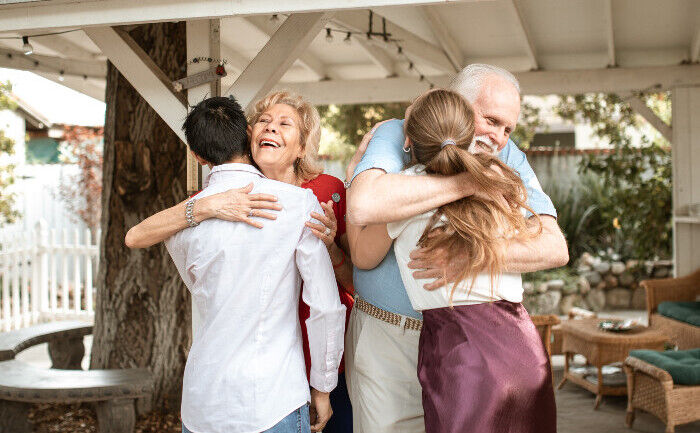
[{"x": 245, "y": 370}]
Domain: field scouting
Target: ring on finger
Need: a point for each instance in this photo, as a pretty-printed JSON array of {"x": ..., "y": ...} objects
[
  {"x": 251, "y": 213},
  {"x": 327, "y": 231}
]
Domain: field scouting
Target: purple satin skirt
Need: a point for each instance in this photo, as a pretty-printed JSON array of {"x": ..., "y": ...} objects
[{"x": 484, "y": 369}]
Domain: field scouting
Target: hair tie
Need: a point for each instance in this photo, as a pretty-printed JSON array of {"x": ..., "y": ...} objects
[{"x": 448, "y": 142}]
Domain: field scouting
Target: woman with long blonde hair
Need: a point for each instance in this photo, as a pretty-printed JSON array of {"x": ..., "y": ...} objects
[{"x": 481, "y": 363}]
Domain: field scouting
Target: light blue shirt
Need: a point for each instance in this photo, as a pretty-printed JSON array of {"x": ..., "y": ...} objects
[{"x": 382, "y": 286}]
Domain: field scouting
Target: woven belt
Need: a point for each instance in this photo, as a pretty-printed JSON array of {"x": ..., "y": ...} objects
[{"x": 387, "y": 316}]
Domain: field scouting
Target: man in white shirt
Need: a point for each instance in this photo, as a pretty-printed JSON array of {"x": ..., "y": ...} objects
[{"x": 245, "y": 371}]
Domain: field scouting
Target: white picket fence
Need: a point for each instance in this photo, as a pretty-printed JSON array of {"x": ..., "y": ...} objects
[{"x": 46, "y": 274}]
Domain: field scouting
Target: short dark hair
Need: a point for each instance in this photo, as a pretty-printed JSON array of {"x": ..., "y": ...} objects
[{"x": 216, "y": 130}]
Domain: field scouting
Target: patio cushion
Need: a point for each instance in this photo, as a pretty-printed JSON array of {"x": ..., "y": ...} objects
[
  {"x": 682, "y": 365},
  {"x": 688, "y": 312}
]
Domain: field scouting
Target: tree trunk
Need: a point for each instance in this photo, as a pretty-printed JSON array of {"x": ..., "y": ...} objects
[{"x": 143, "y": 315}]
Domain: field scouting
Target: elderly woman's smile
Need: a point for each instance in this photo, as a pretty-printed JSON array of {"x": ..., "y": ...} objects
[{"x": 276, "y": 141}]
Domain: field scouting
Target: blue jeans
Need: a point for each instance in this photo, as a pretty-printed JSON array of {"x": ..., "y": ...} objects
[{"x": 295, "y": 422}]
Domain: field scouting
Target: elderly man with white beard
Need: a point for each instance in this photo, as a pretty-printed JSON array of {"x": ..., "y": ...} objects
[{"x": 383, "y": 334}]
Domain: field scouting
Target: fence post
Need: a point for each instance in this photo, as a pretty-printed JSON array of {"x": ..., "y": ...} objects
[{"x": 42, "y": 263}]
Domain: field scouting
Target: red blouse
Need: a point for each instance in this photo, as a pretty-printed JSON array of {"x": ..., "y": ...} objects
[{"x": 326, "y": 188}]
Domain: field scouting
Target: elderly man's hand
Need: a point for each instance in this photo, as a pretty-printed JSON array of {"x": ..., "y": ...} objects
[{"x": 436, "y": 264}]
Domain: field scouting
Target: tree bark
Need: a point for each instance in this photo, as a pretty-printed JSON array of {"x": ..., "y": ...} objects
[{"x": 142, "y": 314}]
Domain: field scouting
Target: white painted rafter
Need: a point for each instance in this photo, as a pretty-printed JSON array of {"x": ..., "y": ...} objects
[
  {"x": 416, "y": 47},
  {"x": 377, "y": 54},
  {"x": 610, "y": 33},
  {"x": 64, "y": 47},
  {"x": 306, "y": 59},
  {"x": 641, "y": 108},
  {"x": 443, "y": 36},
  {"x": 46, "y": 15},
  {"x": 146, "y": 77},
  {"x": 79, "y": 84},
  {"x": 617, "y": 80},
  {"x": 14, "y": 59},
  {"x": 280, "y": 52},
  {"x": 695, "y": 47},
  {"x": 521, "y": 27}
]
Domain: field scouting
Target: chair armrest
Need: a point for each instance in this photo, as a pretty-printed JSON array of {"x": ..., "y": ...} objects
[
  {"x": 637, "y": 364},
  {"x": 548, "y": 319}
]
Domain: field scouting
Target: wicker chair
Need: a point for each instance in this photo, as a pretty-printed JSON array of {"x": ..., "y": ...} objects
[
  {"x": 651, "y": 389},
  {"x": 544, "y": 325},
  {"x": 687, "y": 288}
]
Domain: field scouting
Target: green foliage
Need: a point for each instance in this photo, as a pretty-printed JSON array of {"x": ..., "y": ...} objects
[
  {"x": 578, "y": 214},
  {"x": 636, "y": 207},
  {"x": 565, "y": 273},
  {"x": 529, "y": 123},
  {"x": 7, "y": 213},
  {"x": 350, "y": 123}
]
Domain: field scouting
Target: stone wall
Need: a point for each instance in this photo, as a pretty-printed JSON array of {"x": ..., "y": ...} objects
[{"x": 600, "y": 284}]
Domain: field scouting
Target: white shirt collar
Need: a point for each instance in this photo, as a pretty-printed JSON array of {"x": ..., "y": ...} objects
[{"x": 234, "y": 166}]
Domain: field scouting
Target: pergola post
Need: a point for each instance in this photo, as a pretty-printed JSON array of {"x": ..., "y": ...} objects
[
  {"x": 203, "y": 40},
  {"x": 686, "y": 178}
]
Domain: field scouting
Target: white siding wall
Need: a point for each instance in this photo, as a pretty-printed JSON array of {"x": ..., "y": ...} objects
[{"x": 686, "y": 177}]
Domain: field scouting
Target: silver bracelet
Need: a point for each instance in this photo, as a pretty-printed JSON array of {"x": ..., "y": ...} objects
[{"x": 189, "y": 213}]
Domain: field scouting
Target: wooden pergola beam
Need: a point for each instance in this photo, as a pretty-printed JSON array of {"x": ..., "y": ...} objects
[
  {"x": 377, "y": 54},
  {"x": 610, "y": 34},
  {"x": 79, "y": 84},
  {"x": 280, "y": 52},
  {"x": 695, "y": 47},
  {"x": 47, "y": 15},
  {"x": 14, "y": 59},
  {"x": 447, "y": 42},
  {"x": 64, "y": 47},
  {"x": 146, "y": 77},
  {"x": 617, "y": 80},
  {"x": 641, "y": 108},
  {"x": 306, "y": 59},
  {"x": 414, "y": 46},
  {"x": 524, "y": 35}
]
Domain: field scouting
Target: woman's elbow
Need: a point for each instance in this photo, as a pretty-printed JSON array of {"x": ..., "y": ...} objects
[
  {"x": 363, "y": 263},
  {"x": 131, "y": 239},
  {"x": 561, "y": 258}
]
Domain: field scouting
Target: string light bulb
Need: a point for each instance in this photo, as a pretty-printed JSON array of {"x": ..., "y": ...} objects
[
  {"x": 347, "y": 39},
  {"x": 329, "y": 35},
  {"x": 27, "y": 48},
  {"x": 60, "y": 76},
  {"x": 274, "y": 18}
]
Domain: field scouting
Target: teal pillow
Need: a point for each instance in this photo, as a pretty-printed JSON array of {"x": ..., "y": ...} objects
[
  {"x": 688, "y": 312},
  {"x": 682, "y": 365}
]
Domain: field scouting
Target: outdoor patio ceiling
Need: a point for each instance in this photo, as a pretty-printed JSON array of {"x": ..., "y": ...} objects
[{"x": 565, "y": 42}]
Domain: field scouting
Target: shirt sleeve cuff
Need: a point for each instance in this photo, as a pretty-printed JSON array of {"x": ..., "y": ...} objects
[{"x": 324, "y": 382}]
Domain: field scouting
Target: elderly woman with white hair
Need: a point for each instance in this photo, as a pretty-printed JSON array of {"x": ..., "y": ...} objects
[{"x": 386, "y": 395}]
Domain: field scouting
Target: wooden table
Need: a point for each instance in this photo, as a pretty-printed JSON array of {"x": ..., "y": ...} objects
[{"x": 602, "y": 348}]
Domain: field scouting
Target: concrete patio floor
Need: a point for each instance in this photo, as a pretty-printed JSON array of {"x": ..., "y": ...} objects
[{"x": 575, "y": 413}]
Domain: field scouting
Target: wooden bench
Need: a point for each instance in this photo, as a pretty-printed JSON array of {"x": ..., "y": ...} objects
[
  {"x": 65, "y": 341},
  {"x": 113, "y": 391}
]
